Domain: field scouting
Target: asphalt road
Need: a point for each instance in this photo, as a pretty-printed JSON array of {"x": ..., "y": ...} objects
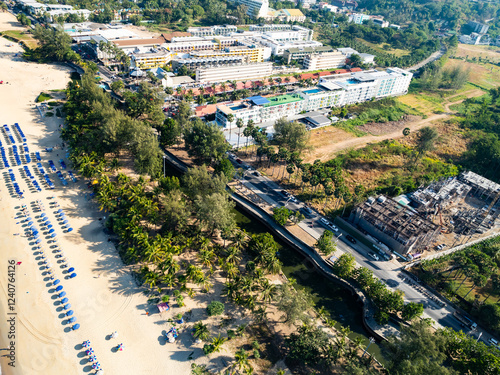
[{"x": 388, "y": 271}]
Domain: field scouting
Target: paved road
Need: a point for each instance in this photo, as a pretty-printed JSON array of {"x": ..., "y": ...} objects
[
  {"x": 388, "y": 271},
  {"x": 435, "y": 56}
]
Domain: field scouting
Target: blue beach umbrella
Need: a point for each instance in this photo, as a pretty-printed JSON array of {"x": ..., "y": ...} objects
[
  {"x": 56, "y": 281},
  {"x": 62, "y": 294},
  {"x": 72, "y": 275},
  {"x": 71, "y": 269},
  {"x": 76, "y": 326},
  {"x": 64, "y": 300},
  {"x": 53, "y": 235},
  {"x": 72, "y": 320},
  {"x": 59, "y": 288},
  {"x": 67, "y": 306},
  {"x": 69, "y": 313},
  {"x": 51, "y": 230},
  {"x": 70, "y": 229}
]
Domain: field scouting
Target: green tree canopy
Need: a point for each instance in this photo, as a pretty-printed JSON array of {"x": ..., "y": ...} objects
[
  {"x": 205, "y": 142},
  {"x": 291, "y": 135}
]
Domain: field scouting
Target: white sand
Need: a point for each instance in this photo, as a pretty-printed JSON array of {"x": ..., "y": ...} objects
[{"x": 110, "y": 302}]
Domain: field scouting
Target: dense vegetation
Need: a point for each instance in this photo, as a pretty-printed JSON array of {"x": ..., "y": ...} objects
[{"x": 479, "y": 265}]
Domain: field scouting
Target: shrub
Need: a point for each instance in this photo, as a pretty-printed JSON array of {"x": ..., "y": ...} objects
[
  {"x": 256, "y": 354},
  {"x": 215, "y": 308}
]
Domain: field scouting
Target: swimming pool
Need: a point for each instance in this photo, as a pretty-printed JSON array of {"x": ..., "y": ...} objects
[{"x": 312, "y": 91}]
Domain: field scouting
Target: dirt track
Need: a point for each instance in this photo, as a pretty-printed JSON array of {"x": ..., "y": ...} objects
[{"x": 327, "y": 152}]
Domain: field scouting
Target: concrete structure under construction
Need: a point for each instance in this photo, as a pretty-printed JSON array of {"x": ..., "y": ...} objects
[
  {"x": 396, "y": 225},
  {"x": 439, "y": 195},
  {"x": 234, "y": 72},
  {"x": 225, "y": 30},
  {"x": 299, "y": 54},
  {"x": 480, "y": 186}
]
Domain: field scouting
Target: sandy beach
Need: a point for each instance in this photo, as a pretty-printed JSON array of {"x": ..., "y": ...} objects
[{"x": 103, "y": 296}]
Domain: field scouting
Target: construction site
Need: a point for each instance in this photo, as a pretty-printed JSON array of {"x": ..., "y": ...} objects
[{"x": 442, "y": 215}]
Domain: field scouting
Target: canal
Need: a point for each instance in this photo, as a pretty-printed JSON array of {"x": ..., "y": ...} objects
[{"x": 339, "y": 303}]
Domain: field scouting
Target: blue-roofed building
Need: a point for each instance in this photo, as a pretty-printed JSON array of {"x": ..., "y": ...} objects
[{"x": 258, "y": 100}]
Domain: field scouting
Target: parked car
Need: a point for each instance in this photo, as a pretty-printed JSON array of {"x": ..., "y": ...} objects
[
  {"x": 256, "y": 174},
  {"x": 492, "y": 341},
  {"x": 285, "y": 193},
  {"x": 239, "y": 161},
  {"x": 373, "y": 255},
  {"x": 291, "y": 198},
  {"x": 350, "y": 239}
]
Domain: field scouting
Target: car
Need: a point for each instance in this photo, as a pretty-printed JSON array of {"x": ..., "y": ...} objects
[
  {"x": 285, "y": 193},
  {"x": 325, "y": 222},
  {"x": 307, "y": 211},
  {"x": 492, "y": 341},
  {"x": 256, "y": 174},
  {"x": 239, "y": 161},
  {"x": 334, "y": 228},
  {"x": 291, "y": 198},
  {"x": 373, "y": 255},
  {"x": 350, "y": 239}
]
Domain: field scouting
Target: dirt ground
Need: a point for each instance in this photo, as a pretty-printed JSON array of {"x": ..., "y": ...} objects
[
  {"x": 327, "y": 142},
  {"x": 470, "y": 51}
]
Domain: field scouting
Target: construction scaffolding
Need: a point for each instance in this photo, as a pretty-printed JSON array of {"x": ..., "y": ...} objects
[
  {"x": 399, "y": 226},
  {"x": 441, "y": 193},
  {"x": 482, "y": 187}
]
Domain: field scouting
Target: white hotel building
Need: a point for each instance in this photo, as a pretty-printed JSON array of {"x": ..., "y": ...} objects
[{"x": 331, "y": 91}]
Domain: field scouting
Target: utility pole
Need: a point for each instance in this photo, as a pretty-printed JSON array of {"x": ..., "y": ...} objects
[{"x": 372, "y": 340}]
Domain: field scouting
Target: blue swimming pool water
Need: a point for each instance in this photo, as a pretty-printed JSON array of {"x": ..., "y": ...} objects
[
  {"x": 236, "y": 107},
  {"x": 312, "y": 91},
  {"x": 351, "y": 81}
]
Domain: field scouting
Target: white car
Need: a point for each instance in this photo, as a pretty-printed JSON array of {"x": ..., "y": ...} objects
[
  {"x": 334, "y": 228},
  {"x": 373, "y": 255},
  {"x": 325, "y": 222}
]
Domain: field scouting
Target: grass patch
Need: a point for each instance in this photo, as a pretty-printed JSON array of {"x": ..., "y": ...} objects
[
  {"x": 53, "y": 104},
  {"x": 58, "y": 90},
  {"x": 19, "y": 36},
  {"x": 380, "y": 48},
  {"x": 43, "y": 97},
  {"x": 423, "y": 103},
  {"x": 350, "y": 126}
]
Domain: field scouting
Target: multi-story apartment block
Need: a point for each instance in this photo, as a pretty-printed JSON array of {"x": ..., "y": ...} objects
[
  {"x": 332, "y": 91},
  {"x": 149, "y": 60},
  {"x": 225, "y": 30},
  {"x": 323, "y": 61},
  {"x": 255, "y": 8},
  {"x": 288, "y": 15},
  {"x": 278, "y": 48},
  {"x": 358, "y": 18},
  {"x": 210, "y": 62},
  {"x": 300, "y": 53},
  {"x": 478, "y": 27},
  {"x": 234, "y": 72},
  {"x": 255, "y": 54}
]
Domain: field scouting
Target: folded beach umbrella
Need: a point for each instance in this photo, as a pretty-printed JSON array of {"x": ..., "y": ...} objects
[
  {"x": 72, "y": 319},
  {"x": 53, "y": 235},
  {"x": 59, "y": 288},
  {"x": 60, "y": 210},
  {"x": 56, "y": 281},
  {"x": 70, "y": 229},
  {"x": 38, "y": 241},
  {"x": 51, "y": 230},
  {"x": 76, "y": 326},
  {"x": 43, "y": 215},
  {"x": 67, "y": 306},
  {"x": 49, "y": 225},
  {"x": 72, "y": 275},
  {"x": 36, "y": 235},
  {"x": 65, "y": 222},
  {"x": 64, "y": 300},
  {"x": 69, "y": 313},
  {"x": 71, "y": 269},
  {"x": 30, "y": 223}
]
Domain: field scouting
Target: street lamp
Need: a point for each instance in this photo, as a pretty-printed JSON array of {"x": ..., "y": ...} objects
[
  {"x": 480, "y": 334},
  {"x": 164, "y": 157},
  {"x": 372, "y": 340}
]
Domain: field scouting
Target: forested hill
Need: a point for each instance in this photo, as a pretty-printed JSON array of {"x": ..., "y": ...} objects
[{"x": 455, "y": 12}]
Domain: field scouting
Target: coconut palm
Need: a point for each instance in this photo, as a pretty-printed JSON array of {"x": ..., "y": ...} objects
[
  {"x": 239, "y": 124},
  {"x": 201, "y": 331},
  {"x": 230, "y": 290},
  {"x": 268, "y": 291},
  {"x": 217, "y": 343},
  {"x": 241, "y": 358}
]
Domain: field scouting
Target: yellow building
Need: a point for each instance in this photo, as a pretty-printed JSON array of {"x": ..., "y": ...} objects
[
  {"x": 255, "y": 54},
  {"x": 151, "y": 59}
]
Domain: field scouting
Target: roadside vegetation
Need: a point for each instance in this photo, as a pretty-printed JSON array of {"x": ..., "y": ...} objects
[{"x": 470, "y": 278}]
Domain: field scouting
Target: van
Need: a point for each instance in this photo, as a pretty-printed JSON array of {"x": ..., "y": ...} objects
[{"x": 493, "y": 342}]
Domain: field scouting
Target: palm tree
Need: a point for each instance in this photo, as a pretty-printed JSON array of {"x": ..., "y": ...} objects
[
  {"x": 201, "y": 331},
  {"x": 241, "y": 358},
  {"x": 230, "y": 119},
  {"x": 233, "y": 255},
  {"x": 268, "y": 291},
  {"x": 230, "y": 290},
  {"x": 217, "y": 343},
  {"x": 239, "y": 124},
  {"x": 223, "y": 87}
]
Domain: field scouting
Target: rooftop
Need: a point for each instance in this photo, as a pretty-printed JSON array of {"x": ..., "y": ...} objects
[{"x": 283, "y": 99}]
